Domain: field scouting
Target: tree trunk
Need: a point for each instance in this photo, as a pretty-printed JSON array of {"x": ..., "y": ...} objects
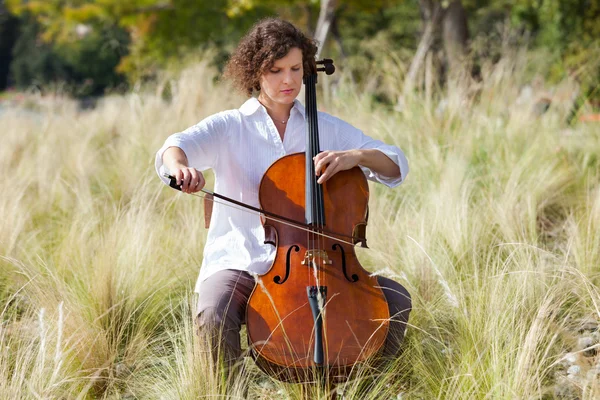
[
  {"x": 9, "y": 32},
  {"x": 432, "y": 13},
  {"x": 451, "y": 24},
  {"x": 309, "y": 16},
  {"x": 337, "y": 38},
  {"x": 326, "y": 16},
  {"x": 429, "y": 79},
  {"x": 456, "y": 36}
]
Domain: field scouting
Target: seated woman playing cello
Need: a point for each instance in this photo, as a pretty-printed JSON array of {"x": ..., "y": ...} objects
[{"x": 240, "y": 145}]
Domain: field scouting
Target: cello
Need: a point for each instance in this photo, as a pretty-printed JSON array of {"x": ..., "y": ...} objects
[{"x": 316, "y": 311}]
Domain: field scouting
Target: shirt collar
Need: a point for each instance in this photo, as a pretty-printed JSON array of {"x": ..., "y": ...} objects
[{"x": 252, "y": 105}]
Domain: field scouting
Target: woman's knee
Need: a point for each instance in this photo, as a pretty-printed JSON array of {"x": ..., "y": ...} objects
[
  {"x": 210, "y": 318},
  {"x": 398, "y": 298},
  {"x": 223, "y": 296}
]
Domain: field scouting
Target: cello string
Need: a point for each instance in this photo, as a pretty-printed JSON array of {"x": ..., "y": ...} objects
[
  {"x": 318, "y": 192},
  {"x": 313, "y": 177},
  {"x": 320, "y": 197},
  {"x": 313, "y": 180},
  {"x": 309, "y": 186},
  {"x": 316, "y": 188},
  {"x": 309, "y": 152}
]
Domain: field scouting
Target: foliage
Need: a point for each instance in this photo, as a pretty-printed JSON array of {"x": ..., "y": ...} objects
[
  {"x": 571, "y": 27},
  {"x": 568, "y": 28},
  {"x": 161, "y": 31},
  {"x": 174, "y": 33},
  {"x": 35, "y": 62},
  {"x": 94, "y": 58},
  {"x": 84, "y": 67},
  {"x": 168, "y": 32}
]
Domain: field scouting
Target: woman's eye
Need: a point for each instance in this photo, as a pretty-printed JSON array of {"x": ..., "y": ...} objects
[
  {"x": 274, "y": 71},
  {"x": 296, "y": 69}
]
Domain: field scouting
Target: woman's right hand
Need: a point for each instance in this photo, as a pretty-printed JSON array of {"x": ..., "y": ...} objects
[{"x": 190, "y": 179}]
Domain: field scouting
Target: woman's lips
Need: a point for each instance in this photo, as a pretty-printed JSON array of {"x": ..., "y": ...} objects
[{"x": 287, "y": 91}]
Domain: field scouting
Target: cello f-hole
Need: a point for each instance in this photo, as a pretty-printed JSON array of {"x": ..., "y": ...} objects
[
  {"x": 277, "y": 279},
  {"x": 354, "y": 276}
]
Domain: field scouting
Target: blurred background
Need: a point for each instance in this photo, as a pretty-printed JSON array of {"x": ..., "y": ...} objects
[{"x": 89, "y": 48}]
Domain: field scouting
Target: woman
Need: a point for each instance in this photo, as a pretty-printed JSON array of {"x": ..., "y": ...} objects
[{"x": 239, "y": 145}]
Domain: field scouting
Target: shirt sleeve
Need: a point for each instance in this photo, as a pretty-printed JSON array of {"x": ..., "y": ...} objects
[
  {"x": 352, "y": 138},
  {"x": 201, "y": 144}
]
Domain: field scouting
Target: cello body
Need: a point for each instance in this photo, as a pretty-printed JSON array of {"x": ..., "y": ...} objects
[{"x": 284, "y": 332}]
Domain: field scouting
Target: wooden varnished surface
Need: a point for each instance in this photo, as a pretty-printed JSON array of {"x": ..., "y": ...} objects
[{"x": 279, "y": 318}]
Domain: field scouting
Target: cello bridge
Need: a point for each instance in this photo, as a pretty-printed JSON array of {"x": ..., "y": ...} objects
[{"x": 319, "y": 257}]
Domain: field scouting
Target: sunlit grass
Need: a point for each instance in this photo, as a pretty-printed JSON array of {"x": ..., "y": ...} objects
[{"x": 494, "y": 233}]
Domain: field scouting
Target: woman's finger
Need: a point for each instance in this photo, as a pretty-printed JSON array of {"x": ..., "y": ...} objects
[
  {"x": 190, "y": 180},
  {"x": 321, "y": 161},
  {"x": 193, "y": 178},
  {"x": 330, "y": 171},
  {"x": 185, "y": 182},
  {"x": 200, "y": 183}
]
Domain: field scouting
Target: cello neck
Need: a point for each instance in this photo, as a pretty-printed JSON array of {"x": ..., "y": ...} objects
[{"x": 315, "y": 211}]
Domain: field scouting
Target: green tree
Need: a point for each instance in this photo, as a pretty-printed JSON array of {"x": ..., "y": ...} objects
[
  {"x": 569, "y": 29},
  {"x": 35, "y": 62},
  {"x": 86, "y": 66},
  {"x": 160, "y": 31}
]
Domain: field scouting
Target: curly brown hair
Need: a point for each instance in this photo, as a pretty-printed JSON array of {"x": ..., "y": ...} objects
[{"x": 267, "y": 41}]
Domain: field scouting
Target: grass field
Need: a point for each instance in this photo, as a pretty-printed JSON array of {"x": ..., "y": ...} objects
[{"x": 495, "y": 233}]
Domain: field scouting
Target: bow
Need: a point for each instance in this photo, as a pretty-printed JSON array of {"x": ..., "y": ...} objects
[{"x": 269, "y": 215}]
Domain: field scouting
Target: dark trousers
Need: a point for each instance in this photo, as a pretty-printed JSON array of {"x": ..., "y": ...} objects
[{"x": 222, "y": 311}]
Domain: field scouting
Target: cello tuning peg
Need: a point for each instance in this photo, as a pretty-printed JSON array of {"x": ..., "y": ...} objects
[
  {"x": 328, "y": 66},
  {"x": 325, "y": 61}
]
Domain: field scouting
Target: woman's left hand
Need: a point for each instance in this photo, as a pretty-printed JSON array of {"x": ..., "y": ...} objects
[{"x": 328, "y": 163}]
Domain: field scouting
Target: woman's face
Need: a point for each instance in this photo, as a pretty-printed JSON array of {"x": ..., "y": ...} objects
[{"x": 282, "y": 82}]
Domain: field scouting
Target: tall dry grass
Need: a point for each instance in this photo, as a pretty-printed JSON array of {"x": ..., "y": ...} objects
[{"x": 494, "y": 233}]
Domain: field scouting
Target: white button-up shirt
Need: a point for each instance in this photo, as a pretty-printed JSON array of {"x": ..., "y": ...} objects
[{"x": 240, "y": 145}]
